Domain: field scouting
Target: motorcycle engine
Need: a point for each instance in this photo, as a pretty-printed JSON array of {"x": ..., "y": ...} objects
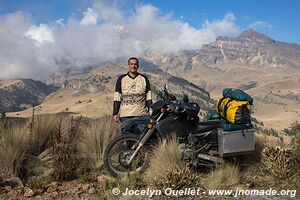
[{"x": 186, "y": 152}]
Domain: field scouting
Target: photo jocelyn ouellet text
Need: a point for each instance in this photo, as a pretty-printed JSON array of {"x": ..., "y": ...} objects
[{"x": 200, "y": 192}]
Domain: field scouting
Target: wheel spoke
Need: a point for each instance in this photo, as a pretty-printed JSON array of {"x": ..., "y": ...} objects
[{"x": 120, "y": 153}]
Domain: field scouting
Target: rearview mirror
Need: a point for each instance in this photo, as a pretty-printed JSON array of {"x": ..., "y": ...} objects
[{"x": 166, "y": 89}]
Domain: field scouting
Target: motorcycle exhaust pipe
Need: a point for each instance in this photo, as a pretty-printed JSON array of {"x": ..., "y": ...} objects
[{"x": 211, "y": 158}]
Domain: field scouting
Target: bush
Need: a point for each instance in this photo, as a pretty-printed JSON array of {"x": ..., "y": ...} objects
[
  {"x": 279, "y": 166},
  {"x": 295, "y": 130},
  {"x": 65, "y": 149}
]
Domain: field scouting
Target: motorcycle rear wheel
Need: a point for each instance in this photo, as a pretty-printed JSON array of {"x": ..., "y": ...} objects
[{"x": 118, "y": 151}]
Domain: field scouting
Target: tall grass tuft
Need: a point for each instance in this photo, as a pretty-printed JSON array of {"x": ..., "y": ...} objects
[
  {"x": 165, "y": 157},
  {"x": 42, "y": 129},
  {"x": 96, "y": 135},
  {"x": 13, "y": 148},
  {"x": 22, "y": 143}
]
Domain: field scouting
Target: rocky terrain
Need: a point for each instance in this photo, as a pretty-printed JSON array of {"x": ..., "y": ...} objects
[
  {"x": 21, "y": 94},
  {"x": 250, "y": 48}
]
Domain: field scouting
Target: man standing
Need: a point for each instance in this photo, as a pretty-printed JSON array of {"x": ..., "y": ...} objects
[{"x": 132, "y": 95}]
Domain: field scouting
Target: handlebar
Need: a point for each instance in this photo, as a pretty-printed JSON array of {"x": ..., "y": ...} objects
[
  {"x": 183, "y": 107},
  {"x": 180, "y": 107}
]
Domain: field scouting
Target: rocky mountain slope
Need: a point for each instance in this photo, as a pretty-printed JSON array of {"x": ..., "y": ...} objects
[
  {"x": 90, "y": 91},
  {"x": 250, "y": 48},
  {"x": 20, "y": 94},
  {"x": 268, "y": 70}
]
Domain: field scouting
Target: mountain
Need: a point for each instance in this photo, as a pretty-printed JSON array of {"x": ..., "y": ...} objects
[
  {"x": 90, "y": 91},
  {"x": 250, "y": 48},
  {"x": 20, "y": 94},
  {"x": 267, "y": 69}
]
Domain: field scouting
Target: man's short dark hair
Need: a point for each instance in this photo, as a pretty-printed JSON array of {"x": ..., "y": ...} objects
[{"x": 134, "y": 58}]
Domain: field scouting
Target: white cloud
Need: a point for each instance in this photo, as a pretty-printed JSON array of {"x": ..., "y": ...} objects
[
  {"x": 60, "y": 22},
  {"x": 260, "y": 25},
  {"x": 90, "y": 17},
  {"x": 225, "y": 25},
  {"x": 108, "y": 12},
  {"x": 103, "y": 33},
  {"x": 119, "y": 28},
  {"x": 41, "y": 34},
  {"x": 19, "y": 57}
]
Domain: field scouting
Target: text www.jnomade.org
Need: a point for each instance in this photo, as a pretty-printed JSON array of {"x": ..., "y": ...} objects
[{"x": 199, "y": 192}]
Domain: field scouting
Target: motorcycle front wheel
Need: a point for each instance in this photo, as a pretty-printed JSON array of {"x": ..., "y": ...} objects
[{"x": 118, "y": 152}]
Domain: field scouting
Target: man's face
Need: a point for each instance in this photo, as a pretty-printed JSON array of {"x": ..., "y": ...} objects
[{"x": 132, "y": 66}]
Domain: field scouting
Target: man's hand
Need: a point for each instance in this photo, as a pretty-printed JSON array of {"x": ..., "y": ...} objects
[{"x": 116, "y": 118}]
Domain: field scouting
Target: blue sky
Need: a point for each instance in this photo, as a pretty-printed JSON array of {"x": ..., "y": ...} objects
[
  {"x": 281, "y": 17},
  {"x": 277, "y": 18},
  {"x": 43, "y": 35}
]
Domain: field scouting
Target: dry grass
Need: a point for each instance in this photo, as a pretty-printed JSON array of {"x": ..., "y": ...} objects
[
  {"x": 53, "y": 147},
  {"x": 38, "y": 166},
  {"x": 96, "y": 135},
  {"x": 225, "y": 176},
  {"x": 296, "y": 148},
  {"x": 280, "y": 163},
  {"x": 13, "y": 148},
  {"x": 132, "y": 180},
  {"x": 255, "y": 158},
  {"x": 277, "y": 162},
  {"x": 179, "y": 178},
  {"x": 43, "y": 127},
  {"x": 21, "y": 145},
  {"x": 295, "y": 142},
  {"x": 73, "y": 148},
  {"x": 66, "y": 154},
  {"x": 279, "y": 166},
  {"x": 165, "y": 156}
]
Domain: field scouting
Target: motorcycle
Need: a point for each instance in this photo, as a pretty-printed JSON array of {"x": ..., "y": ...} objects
[{"x": 201, "y": 143}]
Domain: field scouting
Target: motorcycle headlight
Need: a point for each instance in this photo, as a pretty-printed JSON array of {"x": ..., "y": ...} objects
[{"x": 150, "y": 111}]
